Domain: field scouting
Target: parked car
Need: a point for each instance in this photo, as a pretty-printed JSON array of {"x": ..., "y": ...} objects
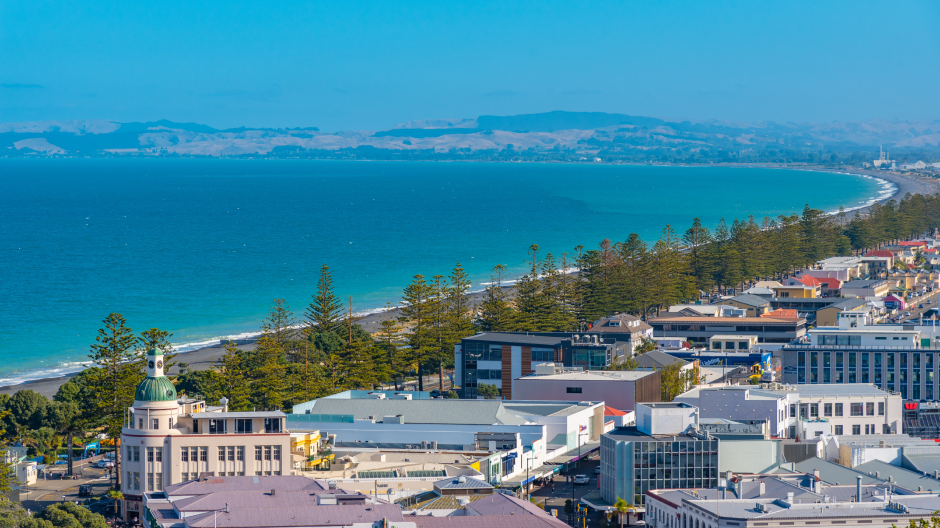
[
  {"x": 105, "y": 463},
  {"x": 921, "y": 307},
  {"x": 581, "y": 479},
  {"x": 84, "y": 490},
  {"x": 929, "y": 301},
  {"x": 597, "y": 470}
]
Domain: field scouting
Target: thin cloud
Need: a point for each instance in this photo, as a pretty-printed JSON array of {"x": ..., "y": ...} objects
[{"x": 20, "y": 86}]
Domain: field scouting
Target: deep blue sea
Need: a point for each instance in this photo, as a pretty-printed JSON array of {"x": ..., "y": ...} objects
[{"x": 200, "y": 247}]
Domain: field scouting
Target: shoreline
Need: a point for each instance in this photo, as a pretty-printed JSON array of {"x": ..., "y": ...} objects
[{"x": 204, "y": 354}]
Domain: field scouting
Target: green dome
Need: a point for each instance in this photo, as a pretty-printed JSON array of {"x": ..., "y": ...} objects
[
  {"x": 154, "y": 352},
  {"x": 155, "y": 389}
]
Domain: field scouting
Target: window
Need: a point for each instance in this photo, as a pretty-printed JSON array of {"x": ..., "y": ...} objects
[
  {"x": 130, "y": 482},
  {"x": 240, "y": 474},
  {"x": 159, "y": 481},
  {"x": 856, "y": 429},
  {"x": 814, "y": 410},
  {"x": 542, "y": 354},
  {"x": 856, "y": 409},
  {"x": 203, "y": 454},
  {"x": 184, "y": 477},
  {"x": 156, "y": 423},
  {"x": 231, "y": 454},
  {"x": 827, "y": 409},
  {"x": 169, "y": 423},
  {"x": 870, "y": 409},
  {"x": 149, "y": 454},
  {"x": 792, "y": 410},
  {"x": 885, "y": 429},
  {"x": 221, "y": 454},
  {"x": 196, "y": 426},
  {"x": 267, "y": 452},
  {"x": 258, "y": 473},
  {"x": 136, "y": 481},
  {"x": 272, "y": 425},
  {"x": 241, "y": 453},
  {"x": 838, "y": 411},
  {"x": 574, "y": 390},
  {"x": 217, "y": 427},
  {"x": 158, "y": 451},
  {"x": 149, "y": 481},
  {"x": 257, "y": 452},
  {"x": 184, "y": 454},
  {"x": 136, "y": 454},
  {"x": 243, "y": 425},
  {"x": 277, "y": 452},
  {"x": 881, "y": 338},
  {"x": 140, "y": 423},
  {"x": 838, "y": 430}
]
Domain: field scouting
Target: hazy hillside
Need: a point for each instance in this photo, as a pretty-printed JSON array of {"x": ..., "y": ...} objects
[{"x": 576, "y": 133}]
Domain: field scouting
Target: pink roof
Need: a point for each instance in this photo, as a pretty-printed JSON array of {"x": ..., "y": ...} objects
[
  {"x": 930, "y": 250},
  {"x": 912, "y": 243},
  {"x": 880, "y": 253},
  {"x": 894, "y": 298}
]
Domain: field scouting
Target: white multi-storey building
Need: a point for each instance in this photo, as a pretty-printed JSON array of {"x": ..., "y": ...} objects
[{"x": 167, "y": 440}]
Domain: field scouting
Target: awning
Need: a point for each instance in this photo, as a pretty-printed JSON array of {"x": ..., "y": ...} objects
[{"x": 573, "y": 455}]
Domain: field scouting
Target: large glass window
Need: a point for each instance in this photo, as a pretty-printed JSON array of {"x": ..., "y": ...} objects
[
  {"x": 852, "y": 364},
  {"x": 541, "y": 355},
  {"x": 869, "y": 408},
  {"x": 272, "y": 425},
  {"x": 857, "y": 409},
  {"x": 243, "y": 425},
  {"x": 217, "y": 427}
]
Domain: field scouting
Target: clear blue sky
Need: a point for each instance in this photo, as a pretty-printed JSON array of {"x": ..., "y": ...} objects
[{"x": 369, "y": 65}]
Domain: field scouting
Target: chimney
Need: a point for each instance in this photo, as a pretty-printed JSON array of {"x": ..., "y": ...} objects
[
  {"x": 272, "y": 492},
  {"x": 877, "y": 474},
  {"x": 858, "y": 488},
  {"x": 763, "y": 489},
  {"x": 816, "y": 473}
]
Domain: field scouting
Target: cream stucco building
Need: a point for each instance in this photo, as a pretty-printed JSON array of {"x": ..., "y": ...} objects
[{"x": 167, "y": 440}]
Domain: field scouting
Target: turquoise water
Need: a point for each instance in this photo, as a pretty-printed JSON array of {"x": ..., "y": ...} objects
[{"x": 201, "y": 247}]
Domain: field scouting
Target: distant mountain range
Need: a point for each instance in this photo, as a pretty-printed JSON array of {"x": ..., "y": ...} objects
[{"x": 586, "y": 132}]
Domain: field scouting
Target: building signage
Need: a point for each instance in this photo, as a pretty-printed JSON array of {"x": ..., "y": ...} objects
[
  {"x": 790, "y": 370},
  {"x": 910, "y": 406}
]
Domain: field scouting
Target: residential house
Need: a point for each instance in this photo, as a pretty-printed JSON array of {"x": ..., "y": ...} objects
[
  {"x": 633, "y": 329},
  {"x": 865, "y": 288},
  {"x": 798, "y": 290},
  {"x": 829, "y": 316},
  {"x": 842, "y": 268},
  {"x": 830, "y": 286},
  {"x": 753, "y": 305},
  {"x": 655, "y": 360}
]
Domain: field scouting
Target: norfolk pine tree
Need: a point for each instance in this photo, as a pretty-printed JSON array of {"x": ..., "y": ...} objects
[
  {"x": 114, "y": 379},
  {"x": 417, "y": 314}
]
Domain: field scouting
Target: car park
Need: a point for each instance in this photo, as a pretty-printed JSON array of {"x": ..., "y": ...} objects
[{"x": 581, "y": 479}]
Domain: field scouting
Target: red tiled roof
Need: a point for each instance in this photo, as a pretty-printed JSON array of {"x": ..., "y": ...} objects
[
  {"x": 830, "y": 282},
  {"x": 912, "y": 243},
  {"x": 809, "y": 280},
  {"x": 782, "y": 313},
  {"x": 880, "y": 253},
  {"x": 910, "y": 266},
  {"x": 930, "y": 250},
  {"x": 610, "y": 411}
]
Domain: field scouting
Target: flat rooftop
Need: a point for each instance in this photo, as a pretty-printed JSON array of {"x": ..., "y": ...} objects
[
  {"x": 522, "y": 339},
  {"x": 591, "y": 375}
]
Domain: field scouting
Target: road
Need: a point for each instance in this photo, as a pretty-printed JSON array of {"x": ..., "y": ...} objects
[
  {"x": 553, "y": 496},
  {"x": 51, "y": 490},
  {"x": 914, "y": 306}
]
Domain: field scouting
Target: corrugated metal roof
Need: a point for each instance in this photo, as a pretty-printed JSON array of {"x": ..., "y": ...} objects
[
  {"x": 479, "y": 412},
  {"x": 248, "y": 414}
]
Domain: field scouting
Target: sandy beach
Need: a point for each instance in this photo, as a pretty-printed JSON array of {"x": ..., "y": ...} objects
[{"x": 205, "y": 358}]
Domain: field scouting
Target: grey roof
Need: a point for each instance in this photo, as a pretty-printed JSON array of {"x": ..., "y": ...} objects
[
  {"x": 259, "y": 498},
  {"x": 833, "y": 473},
  {"x": 848, "y": 304},
  {"x": 922, "y": 463},
  {"x": 499, "y": 504},
  {"x": 468, "y": 483},
  {"x": 480, "y": 412},
  {"x": 259, "y": 516},
  {"x": 230, "y": 415},
  {"x": 750, "y": 300},
  {"x": 918, "y": 506},
  {"x": 547, "y": 408},
  {"x": 245, "y": 483},
  {"x": 902, "y": 477},
  {"x": 603, "y": 325},
  {"x": 657, "y": 359},
  {"x": 869, "y": 283},
  {"x": 841, "y": 389},
  {"x": 759, "y": 290},
  {"x": 516, "y": 338}
]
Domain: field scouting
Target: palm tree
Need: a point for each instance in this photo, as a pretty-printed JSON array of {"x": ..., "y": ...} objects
[{"x": 621, "y": 507}]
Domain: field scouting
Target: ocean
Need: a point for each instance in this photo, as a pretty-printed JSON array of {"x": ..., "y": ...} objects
[{"x": 200, "y": 247}]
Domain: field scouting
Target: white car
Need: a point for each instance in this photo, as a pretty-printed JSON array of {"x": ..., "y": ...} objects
[
  {"x": 597, "y": 470},
  {"x": 581, "y": 479},
  {"x": 105, "y": 463}
]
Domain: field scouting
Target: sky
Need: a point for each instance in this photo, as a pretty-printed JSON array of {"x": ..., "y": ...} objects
[{"x": 352, "y": 65}]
